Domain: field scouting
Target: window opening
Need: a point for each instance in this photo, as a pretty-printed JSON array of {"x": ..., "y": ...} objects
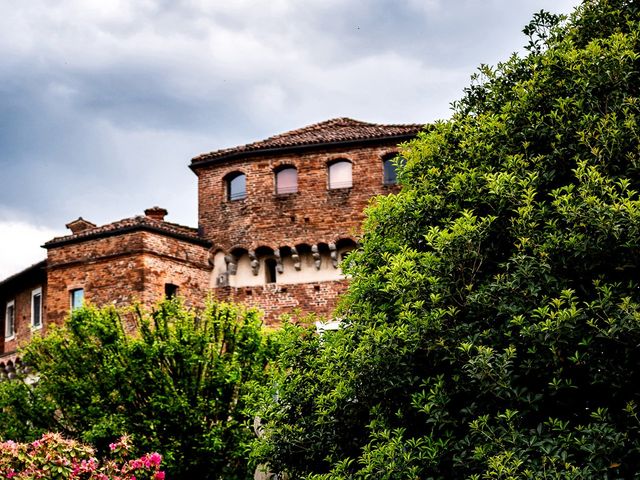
[
  {"x": 10, "y": 319},
  {"x": 287, "y": 180},
  {"x": 340, "y": 174},
  {"x": 170, "y": 290},
  {"x": 36, "y": 308},
  {"x": 237, "y": 187},
  {"x": 390, "y": 167},
  {"x": 270, "y": 270},
  {"x": 77, "y": 298}
]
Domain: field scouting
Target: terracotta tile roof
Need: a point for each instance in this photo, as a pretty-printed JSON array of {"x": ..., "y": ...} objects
[
  {"x": 330, "y": 131},
  {"x": 131, "y": 224}
]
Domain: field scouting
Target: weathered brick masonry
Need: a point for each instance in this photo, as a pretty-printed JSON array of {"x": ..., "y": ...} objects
[
  {"x": 18, "y": 290},
  {"x": 311, "y": 215},
  {"x": 319, "y": 298},
  {"x": 129, "y": 261},
  {"x": 277, "y": 249}
]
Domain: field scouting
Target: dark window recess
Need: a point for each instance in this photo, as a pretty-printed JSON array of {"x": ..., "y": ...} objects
[
  {"x": 270, "y": 270},
  {"x": 170, "y": 290},
  {"x": 390, "y": 166},
  {"x": 237, "y": 187},
  {"x": 10, "y": 319},
  {"x": 36, "y": 309}
]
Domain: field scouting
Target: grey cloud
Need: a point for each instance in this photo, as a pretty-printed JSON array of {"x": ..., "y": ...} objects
[{"x": 102, "y": 104}]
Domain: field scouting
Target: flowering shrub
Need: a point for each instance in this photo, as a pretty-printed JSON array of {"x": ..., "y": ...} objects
[
  {"x": 179, "y": 382},
  {"x": 53, "y": 456}
]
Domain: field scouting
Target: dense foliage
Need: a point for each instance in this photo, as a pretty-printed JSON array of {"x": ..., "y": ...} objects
[
  {"x": 175, "y": 381},
  {"x": 492, "y": 328},
  {"x": 54, "y": 457}
]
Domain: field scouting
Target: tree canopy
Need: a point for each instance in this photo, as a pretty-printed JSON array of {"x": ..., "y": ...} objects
[
  {"x": 177, "y": 382},
  {"x": 492, "y": 327}
]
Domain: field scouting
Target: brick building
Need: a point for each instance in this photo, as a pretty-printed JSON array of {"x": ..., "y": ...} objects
[{"x": 275, "y": 219}]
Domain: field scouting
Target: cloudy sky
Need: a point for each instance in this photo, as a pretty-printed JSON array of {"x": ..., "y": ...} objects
[{"x": 104, "y": 102}]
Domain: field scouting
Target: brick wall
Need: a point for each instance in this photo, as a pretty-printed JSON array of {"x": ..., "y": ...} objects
[
  {"x": 319, "y": 298},
  {"x": 312, "y": 215},
  {"x": 23, "y": 330},
  {"x": 122, "y": 269},
  {"x": 18, "y": 289}
]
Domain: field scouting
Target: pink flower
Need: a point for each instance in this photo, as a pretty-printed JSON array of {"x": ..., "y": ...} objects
[
  {"x": 158, "y": 476},
  {"x": 113, "y": 446},
  {"x": 154, "y": 459}
]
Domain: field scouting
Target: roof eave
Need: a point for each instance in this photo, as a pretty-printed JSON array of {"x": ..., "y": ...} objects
[
  {"x": 197, "y": 164},
  {"x": 35, "y": 267},
  {"x": 128, "y": 229}
]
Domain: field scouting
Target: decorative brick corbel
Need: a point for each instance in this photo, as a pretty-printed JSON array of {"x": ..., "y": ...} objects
[
  {"x": 279, "y": 266},
  {"x": 255, "y": 264},
  {"x": 315, "y": 252},
  {"x": 334, "y": 254},
  {"x": 296, "y": 258},
  {"x": 232, "y": 264}
]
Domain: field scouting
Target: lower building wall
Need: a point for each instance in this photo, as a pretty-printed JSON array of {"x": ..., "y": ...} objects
[
  {"x": 319, "y": 298},
  {"x": 23, "y": 330},
  {"x": 116, "y": 281},
  {"x": 191, "y": 280},
  {"x": 139, "y": 277}
]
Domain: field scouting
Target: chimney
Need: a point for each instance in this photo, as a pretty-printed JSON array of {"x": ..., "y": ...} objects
[
  {"x": 156, "y": 213},
  {"x": 79, "y": 225}
]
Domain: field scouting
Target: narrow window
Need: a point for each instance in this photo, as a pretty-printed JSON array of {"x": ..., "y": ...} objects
[
  {"x": 390, "y": 166},
  {"x": 77, "y": 298},
  {"x": 340, "y": 174},
  {"x": 36, "y": 308},
  {"x": 170, "y": 290},
  {"x": 270, "y": 270},
  {"x": 236, "y": 186},
  {"x": 287, "y": 180},
  {"x": 10, "y": 320}
]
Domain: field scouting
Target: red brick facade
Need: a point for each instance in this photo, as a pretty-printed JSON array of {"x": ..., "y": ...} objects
[
  {"x": 313, "y": 214},
  {"x": 126, "y": 268},
  {"x": 279, "y": 251},
  {"x": 18, "y": 291},
  {"x": 317, "y": 298}
]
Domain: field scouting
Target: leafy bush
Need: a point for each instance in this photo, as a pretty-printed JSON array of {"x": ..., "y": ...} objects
[
  {"x": 492, "y": 327},
  {"x": 54, "y": 457},
  {"x": 177, "y": 382}
]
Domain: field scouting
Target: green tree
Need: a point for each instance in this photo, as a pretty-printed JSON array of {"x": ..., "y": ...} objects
[
  {"x": 176, "y": 381},
  {"x": 492, "y": 327}
]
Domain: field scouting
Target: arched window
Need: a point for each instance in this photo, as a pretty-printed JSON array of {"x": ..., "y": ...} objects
[
  {"x": 340, "y": 174},
  {"x": 286, "y": 180},
  {"x": 236, "y": 186},
  {"x": 390, "y": 166}
]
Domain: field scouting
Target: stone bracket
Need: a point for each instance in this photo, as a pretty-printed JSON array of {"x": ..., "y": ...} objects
[
  {"x": 315, "y": 252},
  {"x": 255, "y": 264},
  {"x": 279, "y": 266},
  {"x": 296, "y": 258},
  {"x": 334, "y": 254}
]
